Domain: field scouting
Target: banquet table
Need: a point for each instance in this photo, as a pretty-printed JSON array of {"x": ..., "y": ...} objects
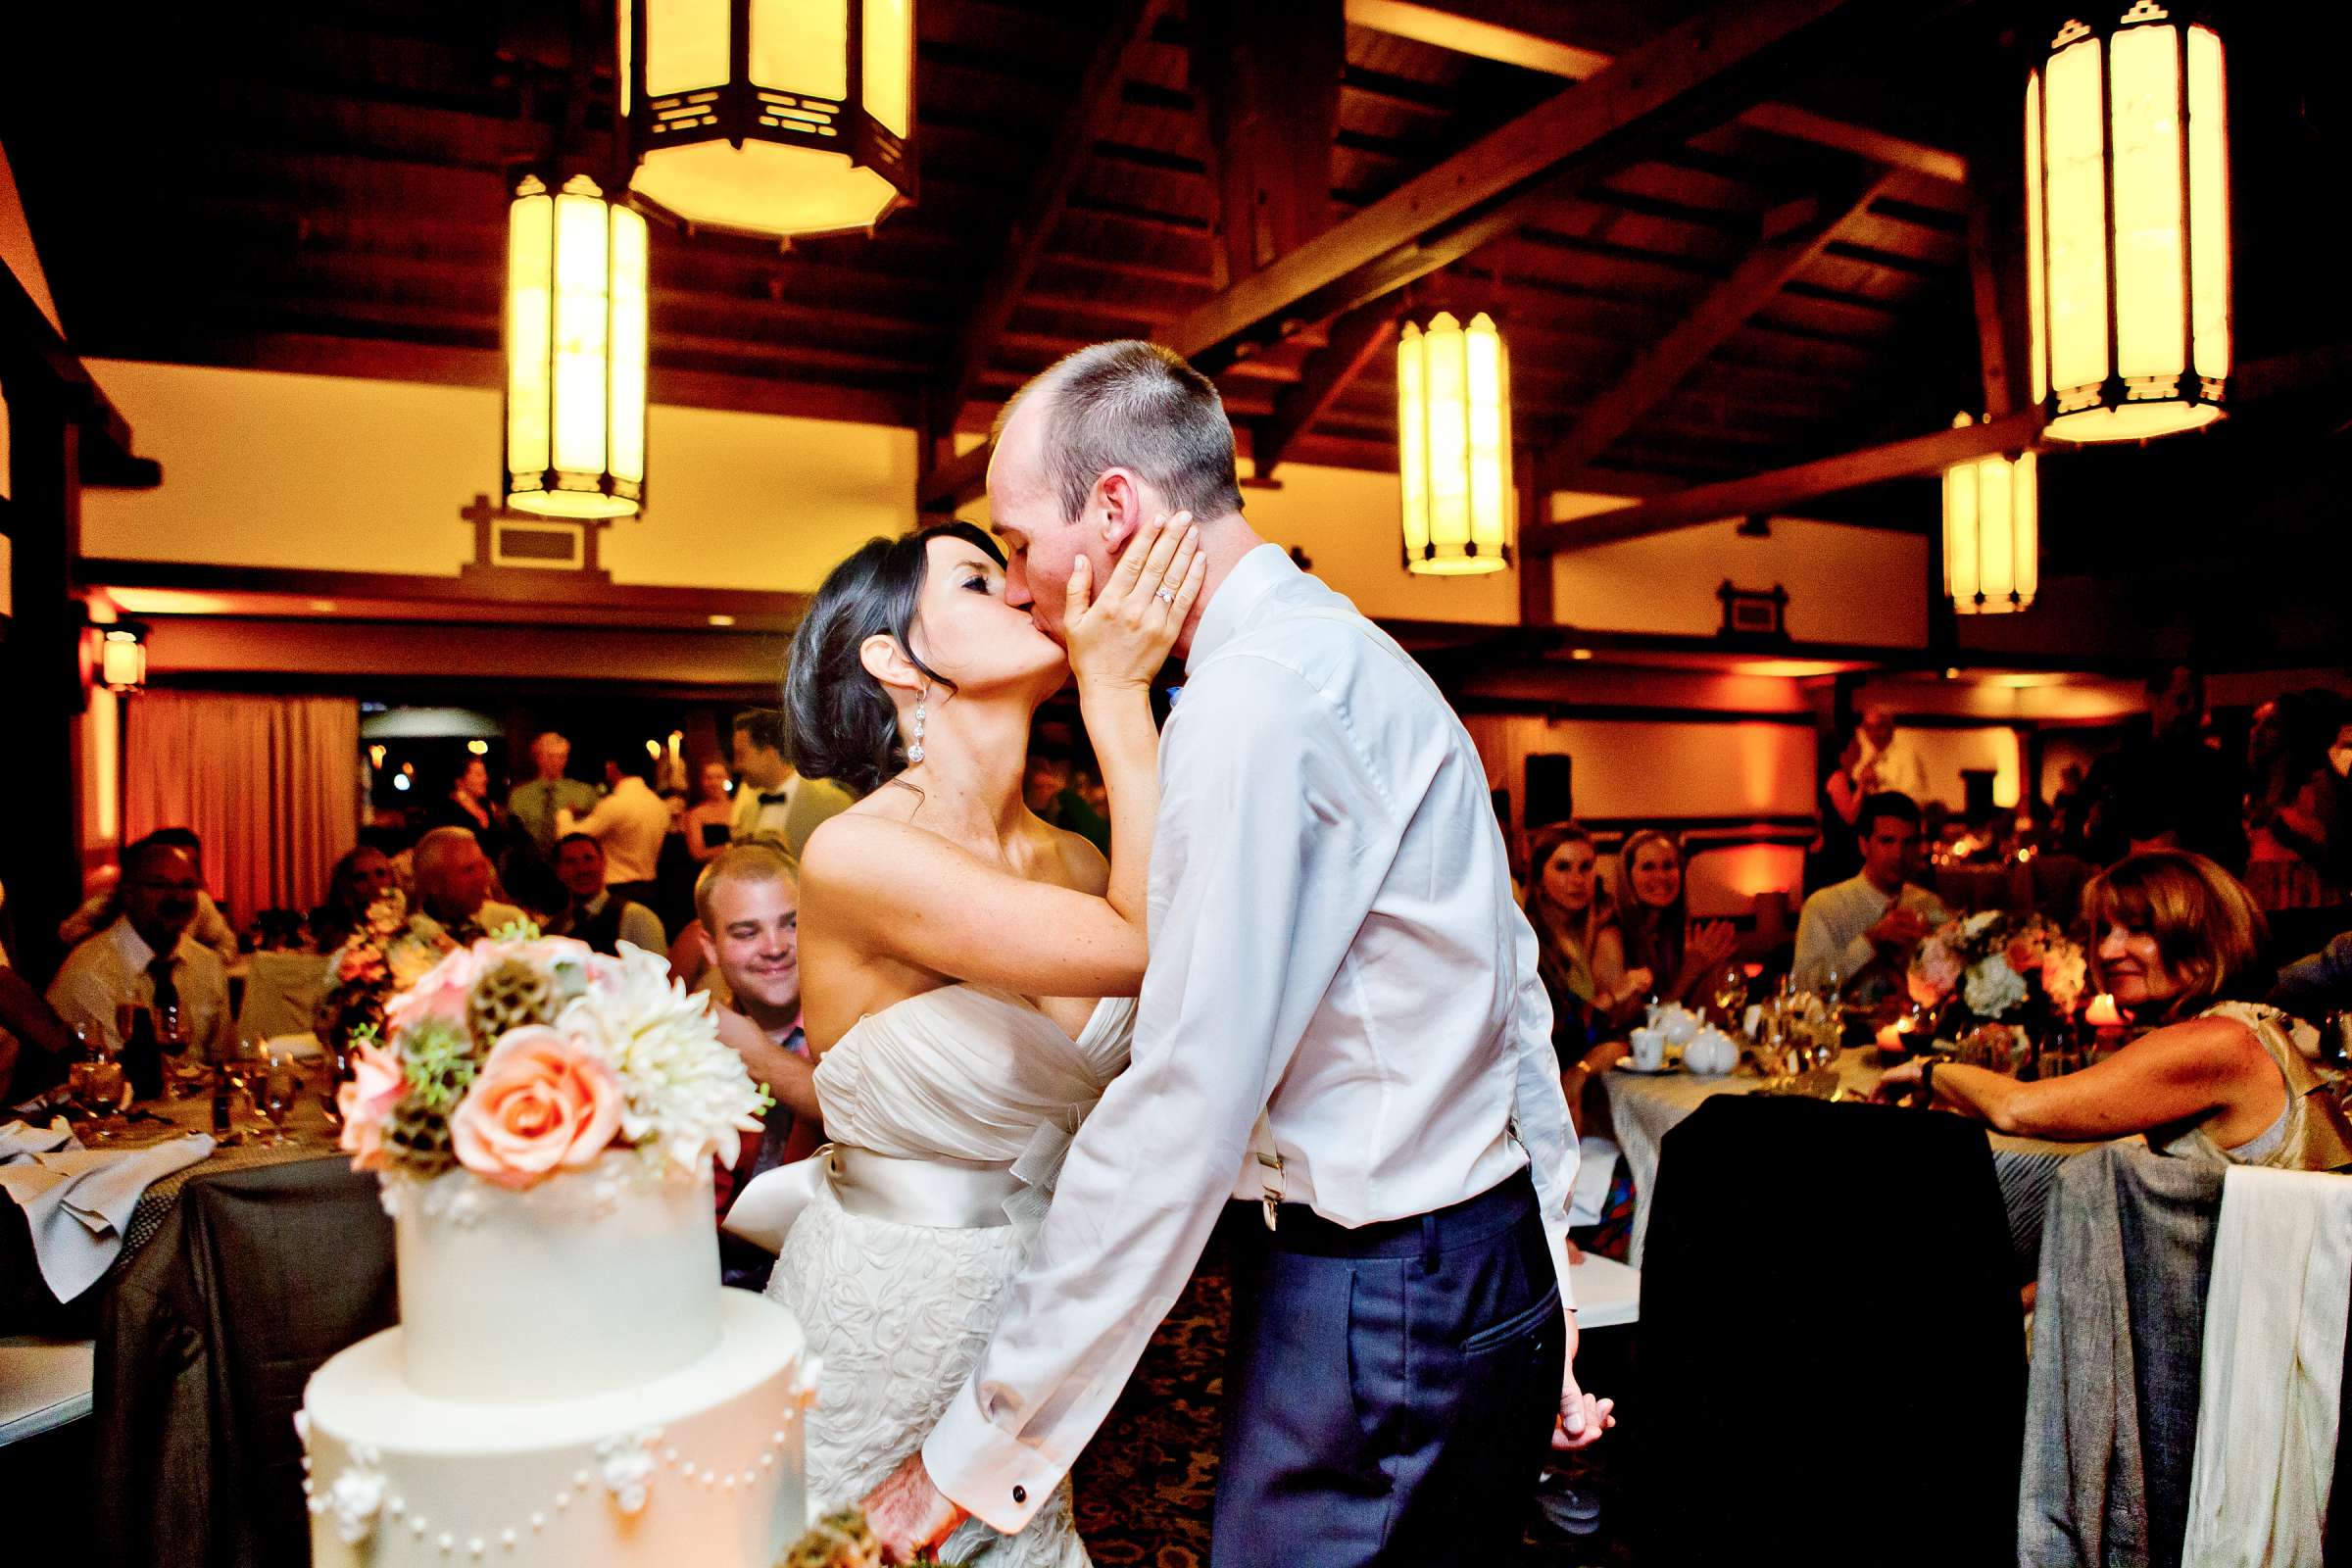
[
  {"x": 1643, "y": 1107},
  {"x": 25, "y": 1305},
  {"x": 237, "y": 1284}
]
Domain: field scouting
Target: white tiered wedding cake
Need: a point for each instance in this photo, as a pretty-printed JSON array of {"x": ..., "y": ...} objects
[{"x": 569, "y": 1383}]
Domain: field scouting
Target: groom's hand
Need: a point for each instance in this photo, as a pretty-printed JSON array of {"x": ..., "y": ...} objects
[
  {"x": 1582, "y": 1418},
  {"x": 907, "y": 1513}
]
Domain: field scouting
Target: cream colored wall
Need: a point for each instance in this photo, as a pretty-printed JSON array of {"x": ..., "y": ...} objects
[
  {"x": 333, "y": 474},
  {"x": 1944, "y": 753},
  {"x": 1858, "y": 586},
  {"x": 1656, "y": 767}
]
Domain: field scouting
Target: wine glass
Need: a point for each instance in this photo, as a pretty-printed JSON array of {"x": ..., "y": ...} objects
[
  {"x": 1731, "y": 995},
  {"x": 172, "y": 1037},
  {"x": 94, "y": 1080},
  {"x": 280, "y": 1088}
]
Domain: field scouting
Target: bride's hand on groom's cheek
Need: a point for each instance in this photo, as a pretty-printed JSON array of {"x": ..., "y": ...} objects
[
  {"x": 907, "y": 1513},
  {"x": 1122, "y": 635}
]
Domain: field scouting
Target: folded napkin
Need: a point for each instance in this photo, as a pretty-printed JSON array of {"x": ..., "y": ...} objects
[
  {"x": 20, "y": 1140},
  {"x": 77, "y": 1203}
]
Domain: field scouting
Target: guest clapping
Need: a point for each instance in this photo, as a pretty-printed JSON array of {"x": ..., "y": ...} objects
[
  {"x": 2222, "y": 1077},
  {"x": 1858, "y": 935},
  {"x": 1582, "y": 952},
  {"x": 1682, "y": 955}
]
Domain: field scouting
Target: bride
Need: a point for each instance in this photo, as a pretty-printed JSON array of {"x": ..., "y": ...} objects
[{"x": 969, "y": 970}]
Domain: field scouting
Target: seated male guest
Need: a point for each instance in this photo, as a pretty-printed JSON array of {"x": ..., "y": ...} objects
[
  {"x": 147, "y": 957},
  {"x": 749, "y": 901},
  {"x": 631, "y": 823},
  {"x": 453, "y": 886},
  {"x": 598, "y": 915},
  {"x": 1859, "y": 934},
  {"x": 98, "y": 912}
]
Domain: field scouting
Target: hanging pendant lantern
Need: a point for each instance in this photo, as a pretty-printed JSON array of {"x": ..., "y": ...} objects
[
  {"x": 1991, "y": 533},
  {"x": 1453, "y": 447},
  {"x": 575, "y": 353},
  {"x": 2128, "y": 225},
  {"x": 770, "y": 117}
]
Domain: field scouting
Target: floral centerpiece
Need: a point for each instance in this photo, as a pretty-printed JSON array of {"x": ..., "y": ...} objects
[
  {"x": 2015, "y": 971},
  {"x": 386, "y": 954},
  {"x": 524, "y": 1057}
]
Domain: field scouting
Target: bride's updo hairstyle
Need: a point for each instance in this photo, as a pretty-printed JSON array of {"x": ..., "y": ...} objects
[{"x": 839, "y": 719}]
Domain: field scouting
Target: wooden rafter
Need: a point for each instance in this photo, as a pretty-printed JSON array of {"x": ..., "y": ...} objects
[
  {"x": 1653, "y": 96},
  {"x": 1786, "y": 487},
  {"x": 1049, "y": 196},
  {"x": 1356, "y": 340},
  {"x": 1985, "y": 290},
  {"x": 1531, "y": 38},
  {"x": 1792, "y": 238}
]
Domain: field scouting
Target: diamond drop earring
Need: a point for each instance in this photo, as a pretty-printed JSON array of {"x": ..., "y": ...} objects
[{"x": 914, "y": 752}]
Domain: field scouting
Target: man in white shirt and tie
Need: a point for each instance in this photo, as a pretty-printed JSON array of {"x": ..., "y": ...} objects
[
  {"x": 630, "y": 822},
  {"x": 148, "y": 958},
  {"x": 774, "y": 801},
  {"x": 1341, "y": 1027}
]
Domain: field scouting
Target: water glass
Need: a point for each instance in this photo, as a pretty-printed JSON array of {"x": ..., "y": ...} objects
[{"x": 281, "y": 1086}]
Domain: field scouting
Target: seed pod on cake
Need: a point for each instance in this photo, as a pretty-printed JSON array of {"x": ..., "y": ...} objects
[{"x": 508, "y": 995}]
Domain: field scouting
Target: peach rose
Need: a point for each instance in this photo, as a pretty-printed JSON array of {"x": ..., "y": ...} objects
[
  {"x": 540, "y": 1105},
  {"x": 366, "y": 1102}
]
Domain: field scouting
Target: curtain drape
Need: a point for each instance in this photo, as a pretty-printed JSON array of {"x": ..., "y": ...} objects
[{"x": 269, "y": 783}]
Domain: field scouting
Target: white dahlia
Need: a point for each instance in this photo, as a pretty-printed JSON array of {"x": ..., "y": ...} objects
[{"x": 688, "y": 1096}]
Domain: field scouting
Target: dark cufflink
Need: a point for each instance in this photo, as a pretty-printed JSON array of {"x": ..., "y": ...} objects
[{"x": 1020, "y": 1495}]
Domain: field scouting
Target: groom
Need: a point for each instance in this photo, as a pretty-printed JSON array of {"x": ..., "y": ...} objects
[{"x": 1340, "y": 1026}]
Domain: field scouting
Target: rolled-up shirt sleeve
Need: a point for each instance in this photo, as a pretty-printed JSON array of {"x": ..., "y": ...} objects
[
  {"x": 1263, "y": 803},
  {"x": 1540, "y": 1106}
]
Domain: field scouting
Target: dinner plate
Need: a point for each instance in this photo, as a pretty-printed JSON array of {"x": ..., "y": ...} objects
[{"x": 1659, "y": 1071}]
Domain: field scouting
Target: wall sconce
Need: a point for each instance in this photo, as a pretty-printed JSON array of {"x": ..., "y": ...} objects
[{"x": 122, "y": 656}]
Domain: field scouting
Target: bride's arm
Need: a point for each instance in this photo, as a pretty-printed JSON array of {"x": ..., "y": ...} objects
[{"x": 895, "y": 888}]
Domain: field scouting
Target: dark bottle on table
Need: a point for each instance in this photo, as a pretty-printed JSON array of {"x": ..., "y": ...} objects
[{"x": 143, "y": 1055}]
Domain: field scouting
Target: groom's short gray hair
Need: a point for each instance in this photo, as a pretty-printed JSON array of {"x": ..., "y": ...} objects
[{"x": 1134, "y": 404}]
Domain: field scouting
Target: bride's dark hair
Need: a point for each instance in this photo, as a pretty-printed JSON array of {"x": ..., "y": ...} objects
[{"x": 839, "y": 719}]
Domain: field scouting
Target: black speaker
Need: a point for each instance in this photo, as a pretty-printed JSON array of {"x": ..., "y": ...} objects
[{"x": 1550, "y": 790}]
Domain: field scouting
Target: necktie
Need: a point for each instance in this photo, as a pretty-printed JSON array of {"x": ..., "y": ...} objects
[{"x": 166, "y": 990}]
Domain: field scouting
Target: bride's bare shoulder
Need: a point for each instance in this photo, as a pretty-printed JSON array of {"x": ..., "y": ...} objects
[
  {"x": 1083, "y": 867},
  {"x": 860, "y": 848}
]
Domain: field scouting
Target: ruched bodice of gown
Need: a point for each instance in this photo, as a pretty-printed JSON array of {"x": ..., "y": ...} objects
[
  {"x": 968, "y": 1074},
  {"x": 899, "y": 1309}
]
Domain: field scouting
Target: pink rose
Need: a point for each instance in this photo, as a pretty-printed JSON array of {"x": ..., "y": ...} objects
[
  {"x": 1935, "y": 970},
  {"x": 366, "y": 1102},
  {"x": 2024, "y": 956},
  {"x": 540, "y": 1105},
  {"x": 440, "y": 996}
]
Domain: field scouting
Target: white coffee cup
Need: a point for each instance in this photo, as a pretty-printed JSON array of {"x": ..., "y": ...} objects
[{"x": 1649, "y": 1049}]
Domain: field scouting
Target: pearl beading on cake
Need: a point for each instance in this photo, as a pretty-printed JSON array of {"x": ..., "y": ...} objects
[{"x": 627, "y": 1461}]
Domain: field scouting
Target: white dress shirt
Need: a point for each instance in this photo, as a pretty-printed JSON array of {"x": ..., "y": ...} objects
[
  {"x": 1333, "y": 943},
  {"x": 111, "y": 967},
  {"x": 754, "y": 815},
  {"x": 630, "y": 823}
]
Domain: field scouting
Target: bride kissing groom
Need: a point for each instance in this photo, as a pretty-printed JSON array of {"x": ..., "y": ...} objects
[{"x": 1337, "y": 1021}]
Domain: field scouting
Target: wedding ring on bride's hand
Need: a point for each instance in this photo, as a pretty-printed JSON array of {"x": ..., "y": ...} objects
[{"x": 1166, "y": 596}]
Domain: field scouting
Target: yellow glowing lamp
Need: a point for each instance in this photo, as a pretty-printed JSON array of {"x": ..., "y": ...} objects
[
  {"x": 575, "y": 353},
  {"x": 2128, "y": 225},
  {"x": 770, "y": 117},
  {"x": 1991, "y": 533},
  {"x": 1454, "y": 446},
  {"x": 122, "y": 657}
]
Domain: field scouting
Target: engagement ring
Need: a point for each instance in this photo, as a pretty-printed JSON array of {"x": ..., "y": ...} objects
[{"x": 1164, "y": 595}]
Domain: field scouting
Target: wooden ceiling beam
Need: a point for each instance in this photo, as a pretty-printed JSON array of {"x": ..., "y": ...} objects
[
  {"x": 1356, "y": 340},
  {"x": 1786, "y": 487},
  {"x": 1530, "y": 37},
  {"x": 1803, "y": 234},
  {"x": 1650, "y": 98},
  {"x": 1091, "y": 110}
]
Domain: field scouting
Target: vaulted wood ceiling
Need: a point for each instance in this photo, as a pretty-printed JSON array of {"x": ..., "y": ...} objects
[{"x": 1771, "y": 274}]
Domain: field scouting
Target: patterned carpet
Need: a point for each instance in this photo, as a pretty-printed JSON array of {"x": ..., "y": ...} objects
[{"x": 1144, "y": 1485}]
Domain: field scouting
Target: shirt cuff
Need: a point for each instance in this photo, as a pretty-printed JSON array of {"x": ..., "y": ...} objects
[{"x": 977, "y": 1467}]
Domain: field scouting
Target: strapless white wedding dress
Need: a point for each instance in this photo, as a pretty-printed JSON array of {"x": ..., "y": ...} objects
[{"x": 949, "y": 1112}]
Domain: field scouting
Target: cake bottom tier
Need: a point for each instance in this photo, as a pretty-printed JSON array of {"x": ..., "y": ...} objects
[{"x": 700, "y": 1466}]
